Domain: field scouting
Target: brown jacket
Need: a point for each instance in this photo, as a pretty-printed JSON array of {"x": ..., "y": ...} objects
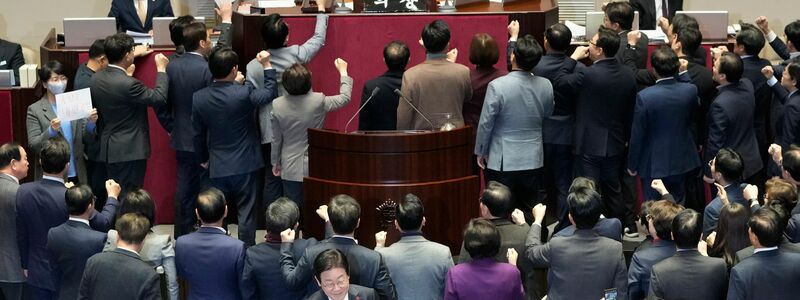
[{"x": 436, "y": 87}]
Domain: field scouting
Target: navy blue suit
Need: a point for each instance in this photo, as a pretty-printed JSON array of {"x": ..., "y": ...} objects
[
  {"x": 69, "y": 246},
  {"x": 642, "y": 263},
  {"x": 730, "y": 125},
  {"x": 735, "y": 193},
  {"x": 226, "y": 136},
  {"x": 128, "y": 19},
  {"x": 610, "y": 228},
  {"x": 766, "y": 275},
  {"x": 262, "y": 278},
  {"x": 661, "y": 143},
  {"x": 788, "y": 131},
  {"x": 211, "y": 262},
  {"x": 782, "y": 50},
  {"x": 766, "y": 112}
]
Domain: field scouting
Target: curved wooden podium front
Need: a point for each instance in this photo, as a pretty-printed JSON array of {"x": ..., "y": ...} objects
[{"x": 375, "y": 167}]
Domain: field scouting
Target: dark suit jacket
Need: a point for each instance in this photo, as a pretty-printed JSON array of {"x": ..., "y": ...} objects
[
  {"x": 604, "y": 107},
  {"x": 211, "y": 262},
  {"x": 11, "y": 58},
  {"x": 366, "y": 266},
  {"x": 788, "y": 131},
  {"x": 780, "y": 48},
  {"x": 381, "y": 112},
  {"x": 641, "y": 49},
  {"x": 642, "y": 263},
  {"x": 661, "y": 142},
  {"x": 262, "y": 278},
  {"x": 187, "y": 74},
  {"x": 647, "y": 12},
  {"x": 610, "y": 228},
  {"x": 480, "y": 78},
  {"x": 121, "y": 103},
  {"x": 356, "y": 292},
  {"x": 735, "y": 193},
  {"x": 766, "y": 275},
  {"x": 730, "y": 125},
  {"x": 786, "y": 245},
  {"x": 763, "y": 123},
  {"x": 69, "y": 246},
  {"x": 226, "y": 134},
  {"x": 121, "y": 275},
  {"x": 689, "y": 275},
  {"x": 128, "y": 18},
  {"x": 559, "y": 127},
  {"x": 92, "y": 142}
]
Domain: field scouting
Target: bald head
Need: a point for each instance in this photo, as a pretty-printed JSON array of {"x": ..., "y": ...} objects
[{"x": 211, "y": 206}]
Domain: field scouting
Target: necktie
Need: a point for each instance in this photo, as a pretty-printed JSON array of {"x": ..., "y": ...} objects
[
  {"x": 664, "y": 9},
  {"x": 142, "y": 11}
]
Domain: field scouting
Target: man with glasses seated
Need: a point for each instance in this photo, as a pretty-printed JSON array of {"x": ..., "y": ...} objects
[{"x": 332, "y": 274}]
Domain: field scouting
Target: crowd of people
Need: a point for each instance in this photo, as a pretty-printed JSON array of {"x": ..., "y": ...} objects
[{"x": 582, "y": 126}]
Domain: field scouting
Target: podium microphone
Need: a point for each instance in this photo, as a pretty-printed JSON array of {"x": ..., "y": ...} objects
[
  {"x": 399, "y": 93},
  {"x": 374, "y": 92}
]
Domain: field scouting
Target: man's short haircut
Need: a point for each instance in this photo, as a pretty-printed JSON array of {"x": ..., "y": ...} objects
[
  {"x": 211, "y": 205},
  {"x": 117, "y": 46},
  {"x": 558, "y": 36},
  {"x": 765, "y": 224},
  {"x": 665, "y": 62},
  {"x": 497, "y": 198},
  {"x": 687, "y": 227},
  {"x": 281, "y": 215},
  {"x": 8, "y": 152},
  {"x": 527, "y": 53},
  {"x": 662, "y": 213},
  {"x": 221, "y": 61},
  {"x": 396, "y": 55},
  {"x": 50, "y": 68},
  {"x": 608, "y": 40},
  {"x": 793, "y": 69},
  {"x": 481, "y": 239},
  {"x": 690, "y": 39},
  {"x": 780, "y": 210},
  {"x": 138, "y": 201},
  {"x": 54, "y": 155},
  {"x": 751, "y": 38},
  {"x": 791, "y": 163},
  {"x": 792, "y": 31},
  {"x": 274, "y": 31},
  {"x": 621, "y": 13},
  {"x": 585, "y": 207},
  {"x": 193, "y": 33},
  {"x": 410, "y": 213},
  {"x": 296, "y": 80},
  {"x": 78, "y": 199},
  {"x": 782, "y": 191},
  {"x": 176, "y": 28},
  {"x": 328, "y": 260},
  {"x": 96, "y": 50},
  {"x": 435, "y": 36},
  {"x": 729, "y": 163},
  {"x": 132, "y": 228},
  {"x": 483, "y": 50},
  {"x": 344, "y": 213},
  {"x": 732, "y": 66},
  {"x": 581, "y": 182},
  {"x": 683, "y": 21}
]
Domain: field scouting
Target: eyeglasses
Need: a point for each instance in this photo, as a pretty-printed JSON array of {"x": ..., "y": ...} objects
[
  {"x": 339, "y": 283},
  {"x": 592, "y": 43}
]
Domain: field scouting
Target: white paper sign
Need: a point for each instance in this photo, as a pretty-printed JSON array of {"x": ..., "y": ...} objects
[{"x": 73, "y": 105}]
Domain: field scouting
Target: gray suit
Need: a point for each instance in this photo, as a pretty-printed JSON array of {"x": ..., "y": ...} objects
[
  {"x": 582, "y": 266},
  {"x": 38, "y": 121},
  {"x": 418, "y": 266},
  {"x": 11, "y": 278},
  {"x": 689, "y": 275},
  {"x": 510, "y": 128},
  {"x": 121, "y": 275},
  {"x": 292, "y": 116},
  {"x": 281, "y": 59}
]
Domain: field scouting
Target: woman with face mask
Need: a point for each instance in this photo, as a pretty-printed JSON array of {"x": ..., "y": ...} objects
[{"x": 43, "y": 123}]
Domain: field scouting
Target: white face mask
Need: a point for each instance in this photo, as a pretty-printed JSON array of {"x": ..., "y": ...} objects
[{"x": 57, "y": 87}]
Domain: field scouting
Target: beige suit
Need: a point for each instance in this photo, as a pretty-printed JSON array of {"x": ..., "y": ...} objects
[
  {"x": 436, "y": 87},
  {"x": 292, "y": 116},
  {"x": 38, "y": 121}
]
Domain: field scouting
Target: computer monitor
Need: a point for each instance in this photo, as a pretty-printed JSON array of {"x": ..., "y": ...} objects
[
  {"x": 82, "y": 32},
  {"x": 713, "y": 24},
  {"x": 161, "y": 34},
  {"x": 595, "y": 18}
]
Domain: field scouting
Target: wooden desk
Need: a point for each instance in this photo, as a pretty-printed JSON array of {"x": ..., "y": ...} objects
[{"x": 14, "y": 104}]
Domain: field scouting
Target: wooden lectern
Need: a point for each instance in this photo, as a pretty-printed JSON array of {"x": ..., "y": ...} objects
[{"x": 375, "y": 167}]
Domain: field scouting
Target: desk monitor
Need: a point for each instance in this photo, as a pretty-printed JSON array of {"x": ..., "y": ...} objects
[
  {"x": 713, "y": 24},
  {"x": 82, "y": 32},
  {"x": 7, "y": 78},
  {"x": 595, "y": 18},
  {"x": 161, "y": 34}
]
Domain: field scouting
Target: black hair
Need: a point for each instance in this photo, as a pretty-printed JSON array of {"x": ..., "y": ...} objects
[
  {"x": 117, "y": 46},
  {"x": 54, "y": 155},
  {"x": 690, "y": 39},
  {"x": 665, "y": 62},
  {"x": 8, "y": 152},
  {"x": 793, "y": 69},
  {"x": 344, "y": 213},
  {"x": 687, "y": 227},
  {"x": 765, "y": 224},
  {"x": 97, "y": 49},
  {"x": 527, "y": 53},
  {"x": 435, "y": 36},
  {"x": 584, "y": 206},
  {"x": 78, "y": 199},
  {"x": 211, "y": 205},
  {"x": 792, "y": 31},
  {"x": 729, "y": 163},
  {"x": 481, "y": 239},
  {"x": 138, "y": 201},
  {"x": 274, "y": 31},
  {"x": 49, "y": 68},
  {"x": 396, "y": 55},
  {"x": 683, "y": 21},
  {"x": 608, "y": 40},
  {"x": 732, "y": 66},
  {"x": 281, "y": 215},
  {"x": 621, "y": 13},
  {"x": 221, "y": 62},
  {"x": 410, "y": 213},
  {"x": 193, "y": 33},
  {"x": 751, "y": 38},
  {"x": 791, "y": 163},
  {"x": 296, "y": 80},
  {"x": 558, "y": 36},
  {"x": 132, "y": 228},
  {"x": 497, "y": 198},
  {"x": 328, "y": 260},
  {"x": 176, "y": 29}
]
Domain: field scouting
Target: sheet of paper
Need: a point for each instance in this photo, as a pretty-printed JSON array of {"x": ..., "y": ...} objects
[
  {"x": 73, "y": 105},
  {"x": 137, "y": 34},
  {"x": 656, "y": 35},
  {"x": 577, "y": 30},
  {"x": 276, "y": 3}
]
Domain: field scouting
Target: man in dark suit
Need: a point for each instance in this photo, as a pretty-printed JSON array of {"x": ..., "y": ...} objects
[
  {"x": 785, "y": 244},
  {"x": 137, "y": 15},
  {"x": 726, "y": 168},
  {"x": 651, "y": 11},
  {"x": 261, "y": 277},
  {"x": 661, "y": 145},
  {"x": 209, "y": 259},
  {"x": 604, "y": 108},
  {"x": 368, "y": 267},
  {"x": 13, "y": 167},
  {"x": 788, "y": 130},
  {"x": 688, "y": 274},
  {"x": 70, "y": 245},
  {"x": 381, "y": 112},
  {"x": 11, "y": 58},
  {"x": 770, "y": 273},
  {"x": 332, "y": 273},
  {"x": 729, "y": 117},
  {"x": 619, "y": 18},
  {"x": 121, "y": 103},
  {"x": 95, "y": 169},
  {"x": 582, "y": 255},
  {"x": 226, "y": 136},
  {"x": 659, "y": 222},
  {"x": 121, "y": 273},
  {"x": 787, "y": 51}
]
